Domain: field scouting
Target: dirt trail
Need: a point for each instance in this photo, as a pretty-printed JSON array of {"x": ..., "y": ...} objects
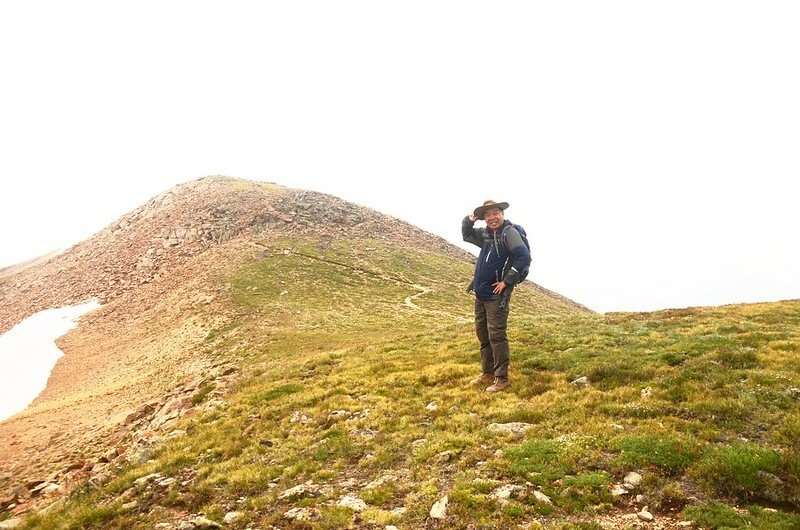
[{"x": 423, "y": 290}]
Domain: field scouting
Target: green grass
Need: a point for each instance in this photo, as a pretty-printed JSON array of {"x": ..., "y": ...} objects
[
  {"x": 667, "y": 453},
  {"x": 696, "y": 400},
  {"x": 747, "y": 472},
  {"x": 201, "y": 394}
]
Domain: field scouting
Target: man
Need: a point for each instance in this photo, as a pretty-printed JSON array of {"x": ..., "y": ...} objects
[{"x": 503, "y": 255}]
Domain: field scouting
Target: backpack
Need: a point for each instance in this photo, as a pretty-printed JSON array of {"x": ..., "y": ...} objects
[{"x": 523, "y": 273}]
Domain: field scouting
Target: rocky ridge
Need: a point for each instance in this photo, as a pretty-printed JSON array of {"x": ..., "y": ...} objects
[{"x": 148, "y": 244}]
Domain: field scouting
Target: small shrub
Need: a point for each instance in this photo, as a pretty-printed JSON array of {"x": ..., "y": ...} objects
[
  {"x": 584, "y": 490},
  {"x": 773, "y": 520},
  {"x": 788, "y": 433},
  {"x": 525, "y": 415},
  {"x": 537, "y": 387},
  {"x": 738, "y": 359},
  {"x": 786, "y": 346},
  {"x": 632, "y": 410},
  {"x": 380, "y": 495},
  {"x": 730, "y": 413},
  {"x": 670, "y": 496},
  {"x": 755, "y": 339},
  {"x": 715, "y": 516},
  {"x": 90, "y": 516},
  {"x": 673, "y": 358},
  {"x": 543, "y": 363},
  {"x": 201, "y": 394},
  {"x": 466, "y": 497},
  {"x": 613, "y": 375},
  {"x": 276, "y": 393},
  {"x": 536, "y": 456},
  {"x": 667, "y": 452},
  {"x": 743, "y": 472},
  {"x": 335, "y": 518},
  {"x": 702, "y": 344},
  {"x": 336, "y": 444},
  {"x": 514, "y": 511}
]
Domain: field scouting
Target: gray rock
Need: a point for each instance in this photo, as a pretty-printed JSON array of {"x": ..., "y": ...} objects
[
  {"x": 232, "y": 517},
  {"x": 793, "y": 392},
  {"x": 10, "y": 523},
  {"x": 215, "y": 404},
  {"x": 299, "y": 417},
  {"x": 44, "y": 487},
  {"x": 646, "y": 516},
  {"x": 366, "y": 433},
  {"x": 203, "y": 523},
  {"x": 301, "y": 490},
  {"x": 141, "y": 481},
  {"x": 439, "y": 508},
  {"x": 33, "y": 484},
  {"x": 388, "y": 477},
  {"x": 581, "y": 382},
  {"x": 446, "y": 456},
  {"x": 516, "y": 428},
  {"x": 338, "y": 415},
  {"x": 130, "y": 505},
  {"x": 353, "y": 502},
  {"x": 140, "y": 457},
  {"x": 632, "y": 480},
  {"x": 506, "y": 492},
  {"x": 301, "y": 514},
  {"x": 618, "y": 491},
  {"x": 166, "y": 482},
  {"x": 348, "y": 483},
  {"x": 541, "y": 497},
  {"x": 361, "y": 415},
  {"x": 50, "y": 489},
  {"x": 432, "y": 406}
]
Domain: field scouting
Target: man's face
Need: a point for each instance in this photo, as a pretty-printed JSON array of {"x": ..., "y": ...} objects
[{"x": 494, "y": 218}]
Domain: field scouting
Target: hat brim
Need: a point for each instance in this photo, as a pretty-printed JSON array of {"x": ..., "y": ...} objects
[{"x": 480, "y": 211}]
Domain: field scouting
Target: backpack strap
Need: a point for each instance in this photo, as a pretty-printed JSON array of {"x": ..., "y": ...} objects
[{"x": 504, "y": 239}]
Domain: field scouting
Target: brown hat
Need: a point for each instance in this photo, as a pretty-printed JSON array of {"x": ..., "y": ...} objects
[{"x": 480, "y": 211}]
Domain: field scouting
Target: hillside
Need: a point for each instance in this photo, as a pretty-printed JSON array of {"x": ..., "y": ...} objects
[
  {"x": 206, "y": 288},
  {"x": 352, "y": 410},
  {"x": 310, "y": 369}
]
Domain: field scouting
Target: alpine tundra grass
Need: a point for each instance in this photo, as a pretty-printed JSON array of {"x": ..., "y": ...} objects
[{"x": 355, "y": 362}]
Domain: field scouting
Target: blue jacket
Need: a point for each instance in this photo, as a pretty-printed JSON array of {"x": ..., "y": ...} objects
[{"x": 494, "y": 262}]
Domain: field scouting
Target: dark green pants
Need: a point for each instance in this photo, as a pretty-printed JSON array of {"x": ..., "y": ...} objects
[{"x": 490, "y": 327}]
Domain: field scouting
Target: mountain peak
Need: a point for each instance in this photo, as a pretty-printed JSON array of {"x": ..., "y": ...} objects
[{"x": 184, "y": 222}]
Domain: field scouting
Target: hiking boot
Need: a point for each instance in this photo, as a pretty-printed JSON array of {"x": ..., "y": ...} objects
[
  {"x": 499, "y": 385},
  {"x": 483, "y": 379}
]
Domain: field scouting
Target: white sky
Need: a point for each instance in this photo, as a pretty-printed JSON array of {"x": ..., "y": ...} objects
[{"x": 650, "y": 149}]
